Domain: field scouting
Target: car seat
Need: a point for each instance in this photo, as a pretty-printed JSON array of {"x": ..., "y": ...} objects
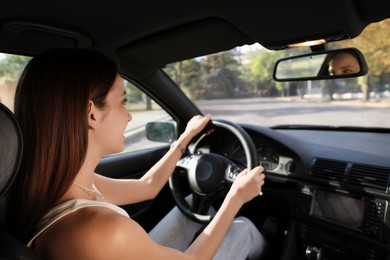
[{"x": 11, "y": 148}]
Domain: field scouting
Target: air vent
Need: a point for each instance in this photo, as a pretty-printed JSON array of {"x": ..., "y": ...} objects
[
  {"x": 370, "y": 177},
  {"x": 329, "y": 169}
]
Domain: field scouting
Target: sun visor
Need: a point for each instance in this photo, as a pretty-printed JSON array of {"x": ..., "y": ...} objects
[
  {"x": 196, "y": 39},
  {"x": 31, "y": 38}
]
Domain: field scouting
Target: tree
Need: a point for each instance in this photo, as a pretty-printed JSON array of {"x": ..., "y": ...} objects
[
  {"x": 191, "y": 78},
  {"x": 188, "y": 76},
  {"x": 222, "y": 76},
  {"x": 259, "y": 70},
  {"x": 12, "y": 66},
  {"x": 376, "y": 50},
  {"x": 133, "y": 94}
]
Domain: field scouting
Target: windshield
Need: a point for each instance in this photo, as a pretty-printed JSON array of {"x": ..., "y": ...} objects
[{"x": 237, "y": 85}]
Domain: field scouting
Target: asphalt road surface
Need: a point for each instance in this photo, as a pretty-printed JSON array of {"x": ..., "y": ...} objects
[
  {"x": 275, "y": 111},
  {"x": 279, "y": 111}
]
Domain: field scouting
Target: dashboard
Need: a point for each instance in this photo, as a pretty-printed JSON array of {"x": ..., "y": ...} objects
[
  {"x": 270, "y": 155},
  {"x": 338, "y": 205}
]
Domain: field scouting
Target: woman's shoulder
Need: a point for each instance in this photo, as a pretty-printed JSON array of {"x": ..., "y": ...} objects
[
  {"x": 109, "y": 236},
  {"x": 89, "y": 232},
  {"x": 97, "y": 222},
  {"x": 100, "y": 233}
]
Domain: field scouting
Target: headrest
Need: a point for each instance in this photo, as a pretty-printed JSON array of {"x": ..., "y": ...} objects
[{"x": 10, "y": 148}]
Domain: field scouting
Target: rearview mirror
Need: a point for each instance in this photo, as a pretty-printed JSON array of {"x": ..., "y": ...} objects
[{"x": 328, "y": 64}]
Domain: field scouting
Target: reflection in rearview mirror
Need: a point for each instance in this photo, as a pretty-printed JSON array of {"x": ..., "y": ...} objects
[
  {"x": 302, "y": 67},
  {"x": 339, "y": 63},
  {"x": 343, "y": 62}
]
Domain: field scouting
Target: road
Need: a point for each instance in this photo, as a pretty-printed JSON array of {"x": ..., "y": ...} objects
[
  {"x": 278, "y": 111},
  {"x": 274, "y": 111}
]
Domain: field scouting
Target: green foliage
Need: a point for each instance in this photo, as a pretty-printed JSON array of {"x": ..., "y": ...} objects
[
  {"x": 191, "y": 78},
  {"x": 133, "y": 94},
  {"x": 376, "y": 48},
  {"x": 222, "y": 77},
  {"x": 375, "y": 45},
  {"x": 11, "y": 66},
  {"x": 260, "y": 65},
  {"x": 188, "y": 76}
]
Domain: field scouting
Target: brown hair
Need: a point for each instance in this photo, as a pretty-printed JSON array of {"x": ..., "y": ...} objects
[{"x": 51, "y": 104}]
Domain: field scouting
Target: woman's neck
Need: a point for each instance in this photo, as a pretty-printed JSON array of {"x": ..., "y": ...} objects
[{"x": 83, "y": 184}]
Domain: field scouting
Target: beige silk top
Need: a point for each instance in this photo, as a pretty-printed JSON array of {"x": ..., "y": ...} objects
[{"x": 68, "y": 207}]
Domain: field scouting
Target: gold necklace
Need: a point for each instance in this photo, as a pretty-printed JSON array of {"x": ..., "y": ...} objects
[{"x": 88, "y": 190}]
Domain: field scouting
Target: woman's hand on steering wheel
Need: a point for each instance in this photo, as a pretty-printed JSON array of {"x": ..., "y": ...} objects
[
  {"x": 208, "y": 174},
  {"x": 248, "y": 184},
  {"x": 196, "y": 124}
]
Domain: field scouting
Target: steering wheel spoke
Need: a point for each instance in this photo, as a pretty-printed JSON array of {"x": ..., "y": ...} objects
[
  {"x": 187, "y": 162},
  {"x": 232, "y": 170},
  {"x": 201, "y": 203}
]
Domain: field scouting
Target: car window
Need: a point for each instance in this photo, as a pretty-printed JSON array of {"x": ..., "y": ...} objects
[
  {"x": 237, "y": 85},
  {"x": 11, "y": 67},
  {"x": 142, "y": 108}
]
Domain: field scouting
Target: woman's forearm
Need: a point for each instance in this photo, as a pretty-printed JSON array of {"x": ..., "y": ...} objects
[
  {"x": 159, "y": 174},
  {"x": 208, "y": 242},
  {"x": 246, "y": 186}
]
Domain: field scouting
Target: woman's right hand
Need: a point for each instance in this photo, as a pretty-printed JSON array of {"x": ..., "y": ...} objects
[
  {"x": 245, "y": 187},
  {"x": 247, "y": 184}
]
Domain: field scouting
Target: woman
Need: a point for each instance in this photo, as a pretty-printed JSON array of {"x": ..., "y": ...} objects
[
  {"x": 68, "y": 101},
  {"x": 343, "y": 63}
]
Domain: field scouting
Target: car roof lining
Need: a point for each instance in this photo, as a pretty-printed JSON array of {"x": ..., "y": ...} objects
[{"x": 205, "y": 27}]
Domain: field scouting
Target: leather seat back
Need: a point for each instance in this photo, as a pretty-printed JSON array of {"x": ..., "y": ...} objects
[{"x": 11, "y": 148}]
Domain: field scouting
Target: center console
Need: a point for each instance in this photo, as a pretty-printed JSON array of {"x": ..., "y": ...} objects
[{"x": 339, "y": 225}]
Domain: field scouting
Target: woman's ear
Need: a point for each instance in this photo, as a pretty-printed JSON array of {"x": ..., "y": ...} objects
[{"x": 93, "y": 115}]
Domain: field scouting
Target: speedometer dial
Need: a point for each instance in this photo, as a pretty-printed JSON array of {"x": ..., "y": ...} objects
[{"x": 267, "y": 155}]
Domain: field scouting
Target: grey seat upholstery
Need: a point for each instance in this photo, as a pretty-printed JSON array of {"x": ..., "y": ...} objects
[{"x": 11, "y": 148}]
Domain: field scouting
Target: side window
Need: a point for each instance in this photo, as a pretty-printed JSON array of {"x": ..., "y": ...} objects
[
  {"x": 7, "y": 92},
  {"x": 11, "y": 67},
  {"x": 143, "y": 110}
]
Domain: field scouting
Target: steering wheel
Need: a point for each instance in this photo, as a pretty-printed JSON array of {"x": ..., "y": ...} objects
[{"x": 208, "y": 174}]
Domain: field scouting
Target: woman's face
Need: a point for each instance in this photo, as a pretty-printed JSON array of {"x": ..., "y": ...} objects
[
  {"x": 343, "y": 63},
  {"x": 114, "y": 120}
]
